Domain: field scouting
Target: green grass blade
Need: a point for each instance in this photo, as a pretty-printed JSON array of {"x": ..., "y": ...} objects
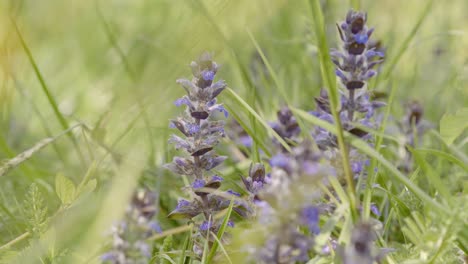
[
  {"x": 221, "y": 231},
  {"x": 237, "y": 99},
  {"x": 222, "y": 247},
  {"x": 328, "y": 76},
  {"x": 63, "y": 122},
  {"x": 185, "y": 247}
]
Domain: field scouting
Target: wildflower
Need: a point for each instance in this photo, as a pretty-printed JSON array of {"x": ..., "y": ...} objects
[
  {"x": 288, "y": 200},
  {"x": 286, "y": 126},
  {"x": 355, "y": 64},
  {"x": 130, "y": 234},
  {"x": 361, "y": 248},
  {"x": 200, "y": 135}
]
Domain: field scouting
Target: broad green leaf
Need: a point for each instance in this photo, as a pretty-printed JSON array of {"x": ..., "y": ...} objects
[
  {"x": 453, "y": 125},
  {"x": 65, "y": 189},
  {"x": 87, "y": 188}
]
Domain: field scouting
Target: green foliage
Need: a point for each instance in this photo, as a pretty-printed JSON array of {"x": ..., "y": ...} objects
[
  {"x": 453, "y": 125},
  {"x": 65, "y": 189},
  {"x": 165, "y": 247},
  {"x": 110, "y": 67},
  {"x": 35, "y": 211}
]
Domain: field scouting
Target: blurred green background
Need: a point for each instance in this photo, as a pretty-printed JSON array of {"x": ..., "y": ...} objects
[{"x": 112, "y": 66}]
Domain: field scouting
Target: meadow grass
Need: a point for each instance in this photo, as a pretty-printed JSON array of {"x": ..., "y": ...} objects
[{"x": 87, "y": 92}]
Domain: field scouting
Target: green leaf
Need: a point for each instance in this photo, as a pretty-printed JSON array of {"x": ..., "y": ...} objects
[
  {"x": 451, "y": 126},
  {"x": 87, "y": 188},
  {"x": 220, "y": 233},
  {"x": 65, "y": 189}
]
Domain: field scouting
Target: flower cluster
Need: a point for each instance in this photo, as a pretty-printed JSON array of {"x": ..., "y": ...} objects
[
  {"x": 288, "y": 200},
  {"x": 286, "y": 126},
  {"x": 200, "y": 134},
  {"x": 361, "y": 247},
  {"x": 355, "y": 64},
  {"x": 129, "y": 235}
]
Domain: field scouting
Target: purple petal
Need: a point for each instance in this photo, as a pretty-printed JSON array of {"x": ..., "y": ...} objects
[
  {"x": 375, "y": 210},
  {"x": 361, "y": 38},
  {"x": 280, "y": 161},
  {"x": 182, "y": 203},
  {"x": 231, "y": 192},
  {"x": 198, "y": 183},
  {"x": 216, "y": 178},
  {"x": 208, "y": 75}
]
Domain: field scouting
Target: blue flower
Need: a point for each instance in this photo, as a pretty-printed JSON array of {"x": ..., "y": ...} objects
[
  {"x": 193, "y": 128},
  {"x": 109, "y": 256},
  {"x": 216, "y": 178},
  {"x": 279, "y": 160},
  {"x": 311, "y": 217},
  {"x": 375, "y": 210},
  {"x": 208, "y": 75},
  {"x": 198, "y": 184},
  {"x": 182, "y": 203},
  {"x": 182, "y": 101},
  {"x": 361, "y": 38},
  {"x": 340, "y": 74},
  {"x": 231, "y": 192},
  {"x": 205, "y": 226},
  {"x": 153, "y": 225}
]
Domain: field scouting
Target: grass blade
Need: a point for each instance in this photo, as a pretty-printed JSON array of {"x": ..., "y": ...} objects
[
  {"x": 330, "y": 83},
  {"x": 221, "y": 231},
  {"x": 237, "y": 99},
  {"x": 27, "y": 154},
  {"x": 63, "y": 122}
]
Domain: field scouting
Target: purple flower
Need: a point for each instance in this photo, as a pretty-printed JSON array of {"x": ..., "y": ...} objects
[
  {"x": 153, "y": 225},
  {"x": 198, "y": 184},
  {"x": 361, "y": 38},
  {"x": 340, "y": 74},
  {"x": 375, "y": 210},
  {"x": 192, "y": 128},
  {"x": 109, "y": 256},
  {"x": 182, "y": 101},
  {"x": 216, "y": 178},
  {"x": 208, "y": 75},
  {"x": 310, "y": 217},
  {"x": 231, "y": 192},
  {"x": 205, "y": 226},
  {"x": 279, "y": 160},
  {"x": 182, "y": 203}
]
